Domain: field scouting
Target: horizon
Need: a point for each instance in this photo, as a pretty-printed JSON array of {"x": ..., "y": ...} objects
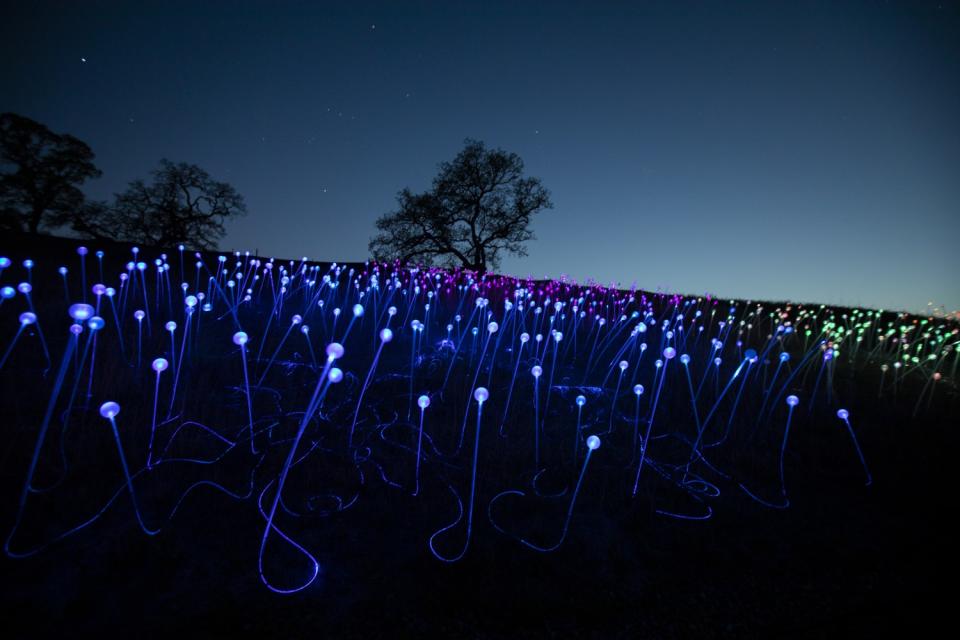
[{"x": 775, "y": 153}]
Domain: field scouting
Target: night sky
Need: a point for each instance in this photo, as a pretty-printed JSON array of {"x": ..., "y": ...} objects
[{"x": 764, "y": 150}]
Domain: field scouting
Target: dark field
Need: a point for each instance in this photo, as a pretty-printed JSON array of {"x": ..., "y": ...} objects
[{"x": 842, "y": 558}]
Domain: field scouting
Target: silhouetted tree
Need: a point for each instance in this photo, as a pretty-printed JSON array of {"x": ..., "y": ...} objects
[
  {"x": 183, "y": 205},
  {"x": 478, "y": 207},
  {"x": 41, "y": 174}
]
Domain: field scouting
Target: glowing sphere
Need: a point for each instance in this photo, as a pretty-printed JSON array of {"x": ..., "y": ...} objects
[
  {"x": 423, "y": 402},
  {"x": 109, "y": 410},
  {"x": 593, "y": 443},
  {"x": 793, "y": 401},
  {"x": 139, "y": 314},
  {"x": 80, "y": 311},
  {"x": 7, "y": 292},
  {"x": 524, "y": 337},
  {"x": 191, "y": 301},
  {"x": 357, "y": 310},
  {"x": 96, "y": 323},
  {"x": 27, "y": 318},
  {"x": 481, "y": 394},
  {"x": 638, "y": 389},
  {"x": 24, "y": 287},
  {"x": 557, "y": 336},
  {"x": 240, "y": 338},
  {"x": 537, "y": 371},
  {"x": 296, "y": 319},
  {"x": 669, "y": 353},
  {"x": 784, "y": 356},
  {"x": 685, "y": 359},
  {"x": 334, "y": 351},
  {"x": 843, "y": 414},
  {"x": 386, "y": 335},
  {"x": 335, "y": 375},
  {"x": 171, "y": 326},
  {"x": 81, "y": 250},
  {"x": 160, "y": 364},
  {"x": 492, "y": 327},
  {"x": 623, "y": 365},
  {"x": 4, "y": 262},
  {"x": 581, "y": 400},
  {"x": 76, "y": 329},
  {"x": 750, "y": 354},
  {"x": 99, "y": 289}
]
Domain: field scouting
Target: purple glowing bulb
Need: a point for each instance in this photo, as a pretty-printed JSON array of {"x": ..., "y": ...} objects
[
  {"x": 793, "y": 401},
  {"x": 843, "y": 414},
  {"x": 80, "y": 311},
  {"x": 240, "y": 338},
  {"x": 334, "y": 351},
  {"x": 481, "y": 394},
  {"x": 160, "y": 364}
]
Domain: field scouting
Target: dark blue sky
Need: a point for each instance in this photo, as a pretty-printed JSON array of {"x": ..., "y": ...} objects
[{"x": 803, "y": 150}]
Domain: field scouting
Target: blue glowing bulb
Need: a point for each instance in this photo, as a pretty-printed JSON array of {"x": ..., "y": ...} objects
[
  {"x": 76, "y": 329},
  {"x": 81, "y": 250},
  {"x": 96, "y": 323},
  {"x": 492, "y": 327},
  {"x": 481, "y": 394},
  {"x": 160, "y": 364},
  {"x": 296, "y": 319},
  {"x": 392, "y": 311},
  {"x": 80, "y": 311},
  {"x": 750, "y": 355},
  {"x": 843, "y": 414},
  {"x": 334, "y": 351},
  {"x": 557, "y": 336},
  {"x": 4, "y": 262},
  {"x": 423, "y": 402},
  {"x": 537, "y": 371},
  {"x": 524, "y": 337},
  {"x": 171, "y": 326},
  {"x": 109, "y": 410},
  {"x": 99, "y": 289},
  {"x": 581, "y": 400},
  {"x": 240, "y": 338},
  {"x": 139, "y": 314},
  {"x": 784, "y": 356},
  {"x": 27, "y": 318},
  {"x": 357, "y": 310},
  {"x": 793, "y": 401},
  {"x": 191, "y": 301},
  {"x": 685, "y": 359},
  {"x": 638, "y": 389},
  {"x": 7, "y": 292},
  {"x": 593, "y": 443},
  {"x": 335, "y": 375},
  {"x": 24, "y": 287},
  {"x": 669, "y": 353},
  {"x": 386, "y": 335}
]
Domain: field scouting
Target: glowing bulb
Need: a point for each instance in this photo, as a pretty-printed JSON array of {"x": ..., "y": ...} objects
[
  {"x": 481, "y": 394},
  {"x": 669, "y": 353},
  {"x": 160, "y": 364},
  {"x": 386, "y": 335},
  {"x": 685, "y": 359},
  {"x": 109, "y": 410},
  {"x": 537, "y": 371},
  {"x": 793, "y": 401},
  {"x": 593, "y": 443},
  {"x": 581, "y": 400},
  {"x": 80, "y": 311},
  {"x": 27, "y": 318},
  {"x": 638, "y": 389},
  {"x": 357, "y": 310},
  {"x": 334, "y": 351},
  {"x": 240, "y": 338},
  {"x": 335, "y": 375},
  {"x": 843, "y": 414},
  {"x": 423, "y": 402},
  {"x": 96, "y": 323}
]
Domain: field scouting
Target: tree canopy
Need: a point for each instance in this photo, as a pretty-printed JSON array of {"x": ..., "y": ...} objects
[
  {"x": 41, "y": 174},
  {"x": 478, "y": 208},
  {"x": 183, "y": 205}
]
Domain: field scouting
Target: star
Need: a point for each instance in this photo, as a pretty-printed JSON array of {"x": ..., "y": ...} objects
[{"x": 83, "y": 59}]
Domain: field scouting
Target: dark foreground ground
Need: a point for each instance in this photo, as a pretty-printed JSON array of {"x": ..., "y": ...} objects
[{"x": 844, "y": 559}]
